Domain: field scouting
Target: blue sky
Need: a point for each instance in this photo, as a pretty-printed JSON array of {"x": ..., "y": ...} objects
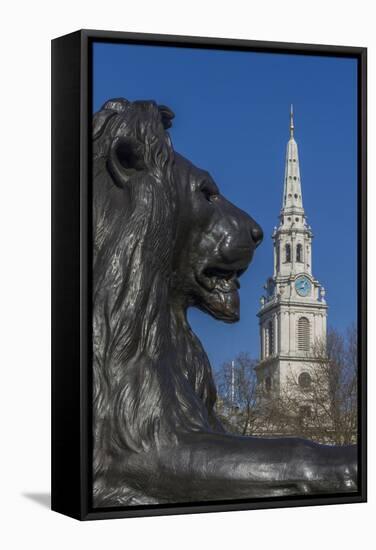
[{"x": 232, "y": 118}]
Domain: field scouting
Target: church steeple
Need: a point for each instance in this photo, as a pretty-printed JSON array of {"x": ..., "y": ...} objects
[
  {"x": 292, "y": 202},
  {"x": 293, "y": 309},
  {"x": 293, "y": 237}
]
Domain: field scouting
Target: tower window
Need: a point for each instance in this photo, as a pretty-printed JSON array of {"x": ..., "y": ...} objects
[
  {"x": 287, "y": 253},
  {"x": 304, "y": 380},
  {"x": 269, "y": 339},
  {"x": 268, "y": 384},
  {"x": 277, "y": 257},
  {"x": 303, "y": 334},
  {"x": 299, "y": 253}
]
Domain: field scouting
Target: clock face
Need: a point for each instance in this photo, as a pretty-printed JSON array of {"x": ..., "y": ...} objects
[{"x": 303, "y": 286}]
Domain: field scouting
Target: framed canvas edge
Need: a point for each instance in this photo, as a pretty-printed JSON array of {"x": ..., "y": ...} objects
[
  {"x": 66, "y": 471},
  {"x": 87, "y": 37}
]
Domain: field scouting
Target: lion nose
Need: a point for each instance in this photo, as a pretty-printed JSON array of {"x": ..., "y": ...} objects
[{"x": 256, "y": 233}]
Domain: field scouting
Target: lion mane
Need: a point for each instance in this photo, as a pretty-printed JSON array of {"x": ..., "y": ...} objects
[{"x": 145, "y": 390}]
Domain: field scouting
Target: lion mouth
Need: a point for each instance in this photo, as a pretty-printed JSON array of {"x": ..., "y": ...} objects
[
  {"x": 220, "y": 279},
  {"x": 219, "y": 290}
]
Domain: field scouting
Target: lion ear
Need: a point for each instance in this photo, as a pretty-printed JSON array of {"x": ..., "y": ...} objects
[
  {"x": 166, "y": 115},
  {"x": 100, "y": 120},
  {"x": 125, "y": 159},
  {"x": 109, "y": 109}
]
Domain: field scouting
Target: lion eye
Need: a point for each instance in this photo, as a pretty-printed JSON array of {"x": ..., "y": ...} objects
[{"x": 209, "y": 190}]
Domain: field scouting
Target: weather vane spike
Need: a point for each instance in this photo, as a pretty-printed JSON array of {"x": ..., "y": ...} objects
[{"x": 291, "y": 121}]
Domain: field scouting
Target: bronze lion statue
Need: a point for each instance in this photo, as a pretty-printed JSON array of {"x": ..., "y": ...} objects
[{"x": 165, "y": 239}]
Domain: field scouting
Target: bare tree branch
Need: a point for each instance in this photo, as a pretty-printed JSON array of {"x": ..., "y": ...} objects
[{"x": 325, "y": 409}]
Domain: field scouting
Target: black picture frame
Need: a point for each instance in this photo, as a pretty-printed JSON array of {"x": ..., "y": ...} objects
[{"x": 71, "y": 283}]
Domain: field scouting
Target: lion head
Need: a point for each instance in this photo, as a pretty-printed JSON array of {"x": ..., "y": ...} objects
[
  {"x": 165, "y": 239},
  {"x": 214, "y": 245}
]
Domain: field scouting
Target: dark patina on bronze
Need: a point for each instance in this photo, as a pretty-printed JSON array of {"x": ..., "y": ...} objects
[{"x": 165, "y": 239}]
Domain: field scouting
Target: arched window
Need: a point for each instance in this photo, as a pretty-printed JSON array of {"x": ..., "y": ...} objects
[
  {"x": 269, "y": 339},
  {"x": 287, "y": 253},
  {"x": 268, "y": 384},
  {"x": 305, "y": 380},
  {"x": 303, "y": 334},
  {"x": 277, "y": 257},
  {"x": 299, "y": 253}
]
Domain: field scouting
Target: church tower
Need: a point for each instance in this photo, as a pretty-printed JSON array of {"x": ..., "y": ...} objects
[{"x": 293, "y": 310}]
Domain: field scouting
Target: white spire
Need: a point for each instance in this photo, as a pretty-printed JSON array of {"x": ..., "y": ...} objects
[
  {"x": 292, "y": 193},
  {"x": 291, "y": 121}
]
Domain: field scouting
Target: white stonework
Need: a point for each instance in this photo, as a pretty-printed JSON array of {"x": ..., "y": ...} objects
[{"x": 293, "y": 310}]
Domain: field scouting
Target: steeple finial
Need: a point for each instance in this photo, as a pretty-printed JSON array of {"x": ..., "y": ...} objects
[
  {"x": 291, "y": 121},
  {"x": 292, "y": 194}
]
